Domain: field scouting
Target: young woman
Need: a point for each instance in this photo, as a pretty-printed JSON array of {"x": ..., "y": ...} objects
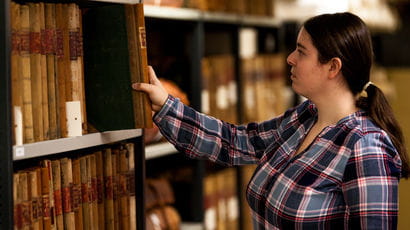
[{"x": 332, "y": 162}]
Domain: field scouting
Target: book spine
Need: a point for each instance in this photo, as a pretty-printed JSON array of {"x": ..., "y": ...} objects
[
  {"x": 62, "y": 72},
  {"x": 66, "y": 188},
  {"x": 76, "y": 194},
  {"x": 58, "y": 202},
  {"x": 25, "y": 74},
  {"x": 35, "y": 69},
  {"x": 85, "y": 193},
  {"x": 50, "y": 51},
  {"x": 108, "y": 186},
  {"x": 93, "y": 195},
  {"x": 131, "y": 185},
  {"x": 100, "y": 189},
  {"x": 43, "y": 68},
  {"x": 143, "y": 63},
  {"x": 16, "y": 81},
  {"x": 45, "y": 198}
]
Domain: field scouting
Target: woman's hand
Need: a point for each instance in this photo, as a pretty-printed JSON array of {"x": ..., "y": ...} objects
[{"x": 156, "y": 92}]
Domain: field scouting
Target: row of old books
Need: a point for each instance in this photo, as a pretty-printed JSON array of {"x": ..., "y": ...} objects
[
  {"x": 92, "y": 191},
  {"x": 219, "y": 87},
  {"x": 47, "y": 71},
  {"x": 221, "y": 205},
  {"x": 265, "y": 93},
  {"x": 251, "y": 7},
  {"x": 52, "y": 52},
  {"x": 159, "y": 201}
]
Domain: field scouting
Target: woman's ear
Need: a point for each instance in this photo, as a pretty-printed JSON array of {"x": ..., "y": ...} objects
[{"x": 335, "y": 66}]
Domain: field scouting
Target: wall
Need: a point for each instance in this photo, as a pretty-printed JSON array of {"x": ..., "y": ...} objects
[{"x": 401, "y": 106}]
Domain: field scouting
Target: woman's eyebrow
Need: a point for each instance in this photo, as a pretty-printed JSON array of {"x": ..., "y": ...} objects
[{"x": 300, "y": 46}]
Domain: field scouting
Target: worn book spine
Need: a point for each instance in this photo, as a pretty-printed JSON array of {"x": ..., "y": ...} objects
[
  {"x": 85, "y": 193},
  {"x": 25, "y": 74},
  {"x": 16, "y": 203},
  {"x": 34, "y": 197},
  {"x": 76, "y": 194},
  {"x": 108, "y": 186},
  {"x": 93, "y": 194},
  {"x": 35, "y": 70},
  {"x": 16, "y": 81},
  {"x": 62, "y": 64},
  {"x": 43, "y": 70},
  {"x": 143, "y": 63},
  {"x": 100, "y": 189},
  {"x": 131, "y": 185},
  {"x": 66, "y": 188},
  {"x": 45, "y": 195},
  {"x": 115, "y": 175},
  {"x": 50, "y": 42},
  {"x": 123, "y": 189},
  {"x": 58, "y": 201},
  {"x": 25, "y": 204}
]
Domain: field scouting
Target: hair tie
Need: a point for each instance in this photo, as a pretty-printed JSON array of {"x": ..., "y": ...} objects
[
  {"x": 367, "y": 85},
  {"x": 363, "y": 93}
]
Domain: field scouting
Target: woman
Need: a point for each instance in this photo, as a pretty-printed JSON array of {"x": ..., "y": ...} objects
[{"x": 332, "y": 162}]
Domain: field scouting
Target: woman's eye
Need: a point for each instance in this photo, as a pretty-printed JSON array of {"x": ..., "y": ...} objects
[{"x": 300, "y": 52}]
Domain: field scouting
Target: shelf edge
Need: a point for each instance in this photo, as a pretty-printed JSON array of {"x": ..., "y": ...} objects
[
  {"x": 159, "y": 150},
  {"x": 45, "y": 148}
]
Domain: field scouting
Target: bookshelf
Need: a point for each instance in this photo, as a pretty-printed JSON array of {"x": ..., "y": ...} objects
[
  {"x": 195, "y": 28},
  {"x": 13, "y": 157}
]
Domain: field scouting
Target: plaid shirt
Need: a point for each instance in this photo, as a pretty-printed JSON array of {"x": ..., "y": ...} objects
[{"x": 346, "y": 179}]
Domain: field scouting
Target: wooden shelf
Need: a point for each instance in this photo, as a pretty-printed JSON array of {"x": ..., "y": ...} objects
[
  {"x": 159, "y": 150},
  {"x": 45, "y": 148},
  {"x": 187, "y": 14}
]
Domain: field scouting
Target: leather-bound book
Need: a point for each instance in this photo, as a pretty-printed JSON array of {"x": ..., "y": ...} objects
[{"x": 115, "y": 50}]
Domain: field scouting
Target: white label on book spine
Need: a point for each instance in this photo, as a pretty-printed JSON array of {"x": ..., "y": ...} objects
[
  {"x": 74, "y": 119},
  {"x": 18, "y": 125}
]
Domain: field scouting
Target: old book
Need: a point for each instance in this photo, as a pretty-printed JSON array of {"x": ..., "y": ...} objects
[
  {"x": 34, "y": 194},
  {"x": 25, "y": 74},
  {"x": 58, "y": 201},
  {"x": 115, "y": 176},
  {"x": 100, "y": 189},
  {"x": 50, "y": 41},
  {"x": 16, "y": 203},
  {"x": 47, "y": 195},
  {"x": 62, "y": 66},
  {"x": 16, "y": 81},
  {"x": 123, "y": 189},
  {"x": 23, "y": 199},
  {"x": 35, "y": 70},
  {"x": 76, "y": 62},
  {"x": 115, "y": 50},
  {"x": 76, "y": 194},
  {"x": 93, "y": 192},
  {"x": 131, "y": 185},
  {"x": 43, "y": 68},
  {"x": 66, "y": 188},
  {"x": 108, "y": 187},
  {"x": 85, "y": 192}
]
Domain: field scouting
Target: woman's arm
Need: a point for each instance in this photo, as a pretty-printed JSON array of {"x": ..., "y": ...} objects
[
  {"x": 199, "y": 135},
  {"x": 371, "y": 184}
]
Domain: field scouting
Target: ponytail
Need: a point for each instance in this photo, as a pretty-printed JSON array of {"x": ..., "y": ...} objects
[{"x": 380, "y": 111}]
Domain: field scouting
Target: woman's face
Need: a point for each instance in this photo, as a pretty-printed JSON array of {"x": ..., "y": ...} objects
[{"x": 307, "y": 73}]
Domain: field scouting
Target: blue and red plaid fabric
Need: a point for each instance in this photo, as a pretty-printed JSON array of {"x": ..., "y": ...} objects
[{"x": 346, "y": 179}]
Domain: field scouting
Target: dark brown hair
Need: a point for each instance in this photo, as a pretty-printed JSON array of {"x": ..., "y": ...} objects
[{"x": 346, "y": 36}]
